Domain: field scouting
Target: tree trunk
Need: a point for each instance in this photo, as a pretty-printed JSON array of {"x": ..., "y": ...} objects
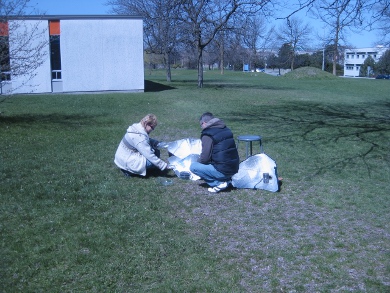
[
  {"x": 292, "y": 62},
  {"x": 335, "y": 48},
  {"x": 334, "y": 58},
  {"x": 169, "y": 75},
  {"x": 167, "y": 60},
  {"x": 221, "y": 52},
  {"x": 200, "y": 67}
]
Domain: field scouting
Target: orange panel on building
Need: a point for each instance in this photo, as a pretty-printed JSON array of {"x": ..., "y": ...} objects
[
  {"x": 4, "y": 29},
  {"x": 54, "y": 27}
]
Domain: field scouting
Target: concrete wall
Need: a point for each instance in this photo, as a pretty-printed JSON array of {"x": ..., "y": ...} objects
[
  {"x": 97, "y": 54},
  {"x": 38, "y": 80},
  {"x": 102, "y": 55}
]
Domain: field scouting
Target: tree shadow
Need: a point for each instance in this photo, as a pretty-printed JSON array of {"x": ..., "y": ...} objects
[
  {"x": 151, "y": 86},
  {"x": 59, "y": 119},
  {"x": 317, "y": 125}
]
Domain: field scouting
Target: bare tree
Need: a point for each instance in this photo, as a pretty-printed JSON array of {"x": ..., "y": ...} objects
[
  {"x": 296, "y": 33},
  {"x": 22, "y": 43},
  {"x": 253, "y": 32},
  {"x": 384, "y": 23},
  {"x": 220, "y": 41},
  {"x": 230, "y": 48},
  {"x": 229, "y": 33},
  {"x": 194, "y": 24},
  {"x": 203, "y": 19},
  {"x": 342, "y": 16}
]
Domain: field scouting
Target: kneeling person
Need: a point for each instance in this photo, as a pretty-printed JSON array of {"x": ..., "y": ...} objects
[
  {"x": 137, "y": 152},
  {"x": 219, "y": 159}
]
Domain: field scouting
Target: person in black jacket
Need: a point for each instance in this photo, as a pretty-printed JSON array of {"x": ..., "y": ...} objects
[{"x": 219, "y": 159}]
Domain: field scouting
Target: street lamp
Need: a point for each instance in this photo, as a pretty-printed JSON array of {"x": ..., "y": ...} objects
[{"x": 323, "y": 59}]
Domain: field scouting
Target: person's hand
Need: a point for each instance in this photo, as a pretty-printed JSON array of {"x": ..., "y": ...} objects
[
  {"x": 162, "y": 144},
  {"x": 154, "y": 143},
  {"x": 170, "y": 167}
]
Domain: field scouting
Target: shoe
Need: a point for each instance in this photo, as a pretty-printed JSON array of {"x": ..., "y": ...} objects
[
  {"x": 219, "y": 187},
  {"x": 126, "y": 173}
]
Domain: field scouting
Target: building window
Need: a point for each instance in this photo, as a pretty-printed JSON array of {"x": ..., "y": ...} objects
[
  {"x": 55, "y": 57},
  {"x": 5, "y": 64},
  {"x": 55, "y": 50}
]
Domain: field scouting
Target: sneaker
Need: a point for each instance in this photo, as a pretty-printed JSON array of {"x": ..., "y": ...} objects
[
  {"x": 219, "y": 187},
  {"x": 126, "y": 173}
]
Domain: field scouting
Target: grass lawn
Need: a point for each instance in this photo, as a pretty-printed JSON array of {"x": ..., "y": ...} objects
[{"x": 70, "y": 222}]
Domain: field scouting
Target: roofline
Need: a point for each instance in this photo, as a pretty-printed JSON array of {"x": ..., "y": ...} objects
[
  {"x": 69, "y": 17},
  {"x": 367, "y": 49}
]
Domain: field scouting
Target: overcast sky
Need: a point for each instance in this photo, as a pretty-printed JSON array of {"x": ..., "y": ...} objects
[{"x": 66, "y": 7}]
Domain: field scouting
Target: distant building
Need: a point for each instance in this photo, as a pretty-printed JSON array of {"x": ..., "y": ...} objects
[
  {"x": 354, "y": 58},
  {"x": 83, "y": 53}
]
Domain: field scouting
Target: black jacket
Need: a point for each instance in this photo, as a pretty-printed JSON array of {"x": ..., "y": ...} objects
[{"x": 222, "y": 153}]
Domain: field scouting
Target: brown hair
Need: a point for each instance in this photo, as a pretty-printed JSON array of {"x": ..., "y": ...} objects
[{"x": 206, "y": 117}]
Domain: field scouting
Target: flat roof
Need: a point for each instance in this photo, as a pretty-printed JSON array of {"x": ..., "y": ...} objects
[{"x": 74, "y": 16}]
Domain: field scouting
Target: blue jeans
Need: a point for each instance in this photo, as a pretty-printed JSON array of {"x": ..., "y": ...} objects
[{"x": 209, "y": 174}]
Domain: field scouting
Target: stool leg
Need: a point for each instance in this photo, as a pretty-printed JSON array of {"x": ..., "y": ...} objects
[
  {"x": 247, "y": 149},
  {"x": 251, "y": 147}
]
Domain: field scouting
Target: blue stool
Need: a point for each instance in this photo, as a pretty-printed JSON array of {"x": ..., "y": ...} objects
[{"x": 249, "y": 139}]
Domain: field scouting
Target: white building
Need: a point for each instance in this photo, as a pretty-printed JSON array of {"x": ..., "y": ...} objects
[
  {"x": 354, "y": 58},
  {"x": 81, "y": 54}
]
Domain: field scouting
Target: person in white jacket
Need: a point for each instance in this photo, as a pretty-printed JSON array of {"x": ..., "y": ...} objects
[{"x": 137, "y": 152}]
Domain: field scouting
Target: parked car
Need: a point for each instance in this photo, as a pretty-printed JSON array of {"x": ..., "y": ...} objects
[
  {"x": 260, "y": 70},
  {"x": 383, "y": 76}
]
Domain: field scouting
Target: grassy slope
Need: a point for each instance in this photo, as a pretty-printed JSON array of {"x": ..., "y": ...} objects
[{"x": 70, "y": 222}]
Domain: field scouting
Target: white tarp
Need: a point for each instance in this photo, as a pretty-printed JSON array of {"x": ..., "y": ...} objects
[
  {"x": 256, "y": 172},
  {"x": 182, "y": 153}
]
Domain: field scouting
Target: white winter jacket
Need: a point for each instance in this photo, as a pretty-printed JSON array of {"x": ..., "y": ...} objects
[{"x": 134, "y": 149}]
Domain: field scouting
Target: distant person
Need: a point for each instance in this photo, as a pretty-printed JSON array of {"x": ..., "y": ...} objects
[
  {"x": 138, "y": 153},
  {"x": 219, "y": 159}
]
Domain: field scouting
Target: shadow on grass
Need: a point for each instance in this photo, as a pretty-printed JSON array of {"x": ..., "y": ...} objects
[
  {"x": 223, "y": 84},
  {"x": 226, "y": 85},
  {"x": 364, "y": 127},
  {"x": 37, "y": 119},
  {"x": 151, "y": 86},
  {"x": 238, "y": 86}
]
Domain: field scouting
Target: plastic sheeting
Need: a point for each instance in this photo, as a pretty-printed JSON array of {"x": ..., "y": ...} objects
[
  {"x": 257, "y": 172},
  {"x": 182, "y": 153},
  {"x": 185, "y": 147},
  {"x": 181, "y": 167}
]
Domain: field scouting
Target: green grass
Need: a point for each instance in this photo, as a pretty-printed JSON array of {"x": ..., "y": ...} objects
[{"x": 71, "y": 223}]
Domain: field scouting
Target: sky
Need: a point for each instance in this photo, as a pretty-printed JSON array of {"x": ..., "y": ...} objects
[
  {"x": 88, "y": 7},
  {"x": 70, "y": 7}
]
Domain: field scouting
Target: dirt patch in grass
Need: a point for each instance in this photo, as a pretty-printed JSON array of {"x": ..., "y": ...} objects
[{"x": 281, "y": 243}]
